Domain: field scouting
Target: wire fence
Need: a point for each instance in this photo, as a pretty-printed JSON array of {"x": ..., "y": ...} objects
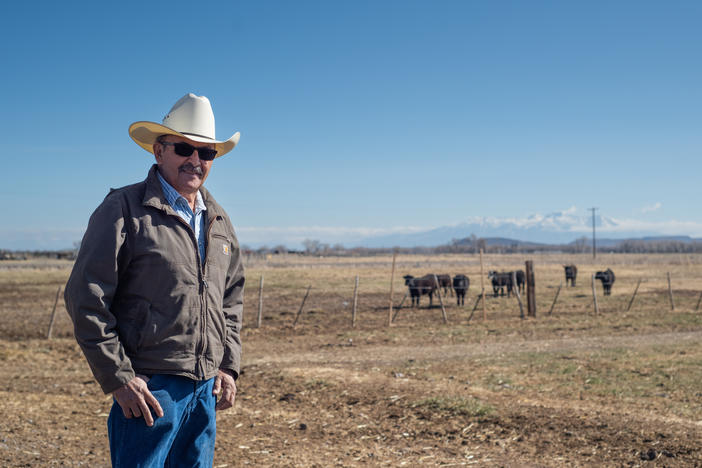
[{"x": 329, "y": 294}]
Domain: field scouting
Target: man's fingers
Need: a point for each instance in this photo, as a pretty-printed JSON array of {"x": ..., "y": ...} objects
[
  {"x": 222, "y": 404},
  {"x": 153, "y": 402},
  {"x": 231, "y": 394},
  {"x": 228, "y": 396},
  {"x": 147, "y": 414},
  {"x": 135, "y": 398},
  {"x": 225, "y": 385},
  {"x": 217, "y": 385}
]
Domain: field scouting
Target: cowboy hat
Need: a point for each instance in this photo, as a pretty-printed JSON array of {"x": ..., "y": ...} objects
[{"x": 192, "y": 118}]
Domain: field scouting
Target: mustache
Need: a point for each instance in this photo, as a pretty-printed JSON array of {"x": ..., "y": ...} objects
[{"x": 187, "y": 167}]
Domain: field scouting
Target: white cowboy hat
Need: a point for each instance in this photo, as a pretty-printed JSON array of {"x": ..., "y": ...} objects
[{"x": 191, "y": 117}]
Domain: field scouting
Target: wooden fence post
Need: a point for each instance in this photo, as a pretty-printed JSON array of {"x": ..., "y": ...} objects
[
  {"x": 397, "y": 309},
  {"x": 517, "y": 295},
  {"x": 697, "y": 307},
  {"x": 474, "y": 307},
  {"x": 531, "y": 288},
  {"x": 477, "y": 300},
  {"x": 392, "y": 280},
  {"x": 53, "y": 315},
  {"x": 355, "y": 303},
  {"x": 634, "y": 295},
  {"x": 438, "y": 293},
  {"x": 303, "y": 304},
  {"x": 594, "y": 296},
  {"x": 260, "y": 303},
  {"x": 482, "y": 284},
  {"x": 670, "y": 294},
  {"x": 555, "y": 298},
  {"x": 400, "y": 306}
]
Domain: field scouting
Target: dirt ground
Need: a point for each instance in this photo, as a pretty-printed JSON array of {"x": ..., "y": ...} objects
[{"x": 573, "y": 388}]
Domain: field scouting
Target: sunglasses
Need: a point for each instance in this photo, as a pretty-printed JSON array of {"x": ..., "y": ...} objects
[{"x": 186, "y": 149}]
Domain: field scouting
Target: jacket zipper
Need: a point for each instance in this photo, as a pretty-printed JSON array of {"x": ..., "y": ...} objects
[
  {"x": 203, "y": 335},
  {"x": 199, "y": 370}
]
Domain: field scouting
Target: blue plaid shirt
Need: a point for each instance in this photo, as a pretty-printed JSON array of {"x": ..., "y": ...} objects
[{"x": 196, "y": 220}]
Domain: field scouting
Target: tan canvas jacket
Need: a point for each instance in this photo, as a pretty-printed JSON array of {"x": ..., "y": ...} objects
[{"x": 141, "y": 300}]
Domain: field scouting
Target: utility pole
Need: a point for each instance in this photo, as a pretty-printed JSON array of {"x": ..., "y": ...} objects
[{"x": 594, "y": 244}]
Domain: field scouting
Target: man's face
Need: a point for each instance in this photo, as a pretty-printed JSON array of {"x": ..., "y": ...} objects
[{"x": 185, "y": 174}]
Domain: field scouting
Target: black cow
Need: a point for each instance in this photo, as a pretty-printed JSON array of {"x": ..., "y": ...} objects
[
  {"x": 500, "y": 281},
  {"x": 521, "y": 280},
  {"x": 607, "y": 278},
  {"x": 461, "y": 283},
  {"x": 571, "y": 272},
  {"x": 419, "y": 287},
  {"x": 444, "y": 283}
]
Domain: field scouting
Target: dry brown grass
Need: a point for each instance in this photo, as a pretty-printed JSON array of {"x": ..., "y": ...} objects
[{"x": 570, "y": 389}]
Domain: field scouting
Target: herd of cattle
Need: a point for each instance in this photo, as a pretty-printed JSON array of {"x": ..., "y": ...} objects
[
  {"x": 428, "y": 284},
  {"x": 501, "y": 281}
]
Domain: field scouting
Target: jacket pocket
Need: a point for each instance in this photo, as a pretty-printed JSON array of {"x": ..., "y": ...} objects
[
  {"x": 217, "y": 333},
  {"x": 131, "y": 325},
  {"x": 219, "y": 251}
]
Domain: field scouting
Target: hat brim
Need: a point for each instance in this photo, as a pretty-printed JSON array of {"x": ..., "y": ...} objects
[{"x": 145, "y": 134}]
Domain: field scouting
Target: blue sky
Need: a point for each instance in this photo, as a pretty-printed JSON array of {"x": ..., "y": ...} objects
[{"x": 360, "y": 117}]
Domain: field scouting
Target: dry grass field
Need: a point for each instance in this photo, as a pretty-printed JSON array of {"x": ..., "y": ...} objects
[{"x": 573, "y": 388}]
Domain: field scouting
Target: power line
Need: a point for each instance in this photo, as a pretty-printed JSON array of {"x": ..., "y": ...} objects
[{"x": 594, "y": 244}]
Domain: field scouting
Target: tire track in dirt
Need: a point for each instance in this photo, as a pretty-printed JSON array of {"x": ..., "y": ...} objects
[{"x": 390, "y": 354}]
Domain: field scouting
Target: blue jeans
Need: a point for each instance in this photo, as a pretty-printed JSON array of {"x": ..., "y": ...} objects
[{"x": 183, "y": 436}]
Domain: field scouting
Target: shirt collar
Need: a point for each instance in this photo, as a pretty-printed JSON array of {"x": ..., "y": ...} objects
[{"x": 173, "y": 197}]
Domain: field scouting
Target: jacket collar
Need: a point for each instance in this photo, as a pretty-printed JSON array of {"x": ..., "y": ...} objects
[{"x": 153, "y": 196}]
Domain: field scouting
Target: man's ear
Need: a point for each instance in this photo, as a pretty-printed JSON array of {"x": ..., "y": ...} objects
[{"x": 158, "y": 150}]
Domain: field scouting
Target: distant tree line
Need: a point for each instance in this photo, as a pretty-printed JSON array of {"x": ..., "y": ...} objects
[
  {"x": 468, "y": 245},
  {"x": 473, "y": 245},
  {"x": 30, "y": 254},
  {"x": 642, "y": 246}
]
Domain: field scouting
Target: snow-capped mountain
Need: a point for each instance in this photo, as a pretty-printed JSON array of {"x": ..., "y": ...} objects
[{"x": 554, "y": 228}]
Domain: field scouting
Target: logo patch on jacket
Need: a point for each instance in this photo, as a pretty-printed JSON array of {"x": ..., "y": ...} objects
[{"x": 225, "y": 249}]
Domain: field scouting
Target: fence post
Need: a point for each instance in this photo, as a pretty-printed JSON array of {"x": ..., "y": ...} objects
[
  {"x": 634, "y": 295},
  {"x": 670, "y": 294},
  {"x": 517, "y": 295},
  {"x": 355, "y": 303},
  {"x": 477, "y": 300},
  {"x": 697, "y": 307},
  {"x": 438, "y": 293},
  {"x": 53, "y": 314},
  {"x": 392, "y": 280},
  {"x": 303, "y": 304},
  {"x": 531, "y": 289},
  {"x": 594, "y": 296},
  {"x": 475, "y": 306},
  {"x": 397, "y": 309},
  {"x": 260, "y": 303},
  {"x": 555, "y": 298},
  {"x": 400, "y": 306},
  {"x": 482, "y": 284}
]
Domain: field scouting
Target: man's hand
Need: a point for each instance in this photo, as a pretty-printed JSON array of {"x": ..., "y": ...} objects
[
  {"x": 135, "y": 398},
  {"x": 224, "y": 384}
]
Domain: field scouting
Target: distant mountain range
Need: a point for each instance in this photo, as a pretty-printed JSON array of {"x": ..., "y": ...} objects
[
  {"x": 601, "y": 242},
  {"x": 559, "y": 228},
  {"x": 555, "y": 228},
  {"x": 613, "y": 242}
]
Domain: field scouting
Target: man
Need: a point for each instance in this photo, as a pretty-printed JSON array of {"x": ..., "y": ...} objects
[{"x": 156, "y": 297}]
